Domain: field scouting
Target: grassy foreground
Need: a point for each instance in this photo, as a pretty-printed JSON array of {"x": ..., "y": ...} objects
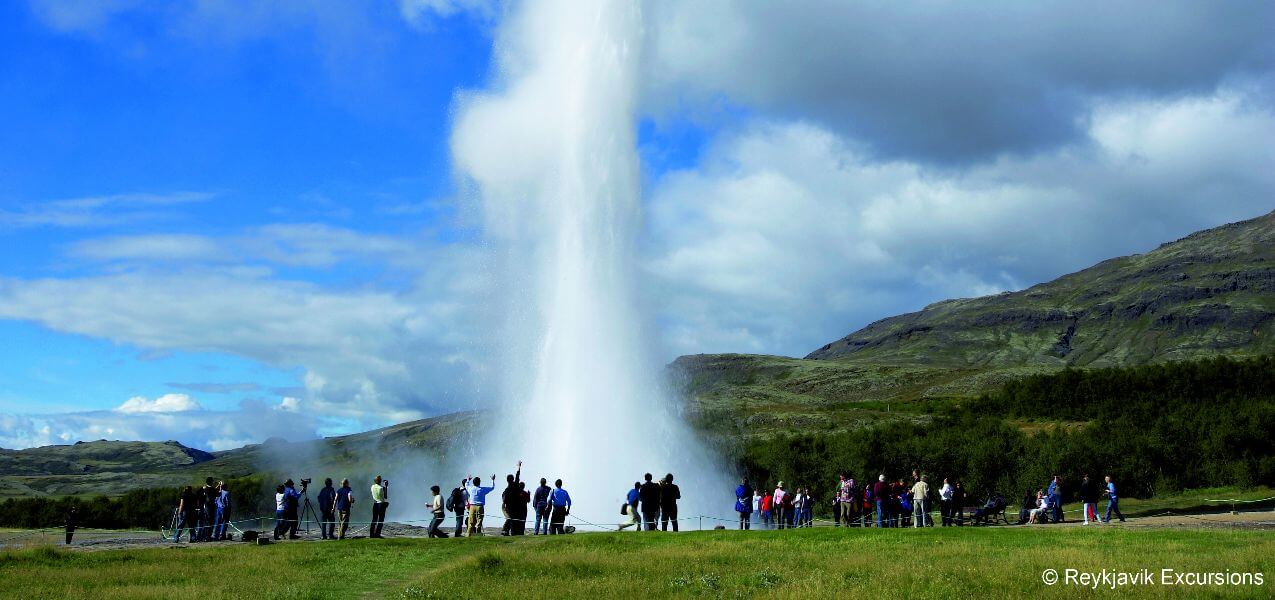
[{"x": 988, "y": 562}]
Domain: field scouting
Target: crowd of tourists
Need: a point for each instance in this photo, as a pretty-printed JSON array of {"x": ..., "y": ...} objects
[
  {"x": 911, "y": 503},
  {"x": 203, "y": 513}
]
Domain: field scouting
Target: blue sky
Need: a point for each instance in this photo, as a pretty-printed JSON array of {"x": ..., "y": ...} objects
[{"x": 252, "y": 210}]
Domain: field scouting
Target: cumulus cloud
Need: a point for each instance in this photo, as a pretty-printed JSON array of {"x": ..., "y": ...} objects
[
  {"x": 788, "y": 235},
  {"x": 370, "y": 355},
  {"x": 937, "y": 81},
  {"x": 168, "y": 403}
]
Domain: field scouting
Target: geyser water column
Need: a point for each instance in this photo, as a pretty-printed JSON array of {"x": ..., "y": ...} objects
[{"x": 552, "y": 150}]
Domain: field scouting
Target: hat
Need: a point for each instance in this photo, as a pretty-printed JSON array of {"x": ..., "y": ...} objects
[{"x": 781, "y": 484}]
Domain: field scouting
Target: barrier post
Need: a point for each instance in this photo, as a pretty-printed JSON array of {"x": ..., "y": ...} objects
[{"x": 701, "y": 522}]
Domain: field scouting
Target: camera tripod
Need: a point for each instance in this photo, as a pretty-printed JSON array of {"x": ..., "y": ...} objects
[{"x": 307, "y": 507}]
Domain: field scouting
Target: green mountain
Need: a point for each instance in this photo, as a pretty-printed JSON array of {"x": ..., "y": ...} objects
[{"x": 1209, "y": 294}]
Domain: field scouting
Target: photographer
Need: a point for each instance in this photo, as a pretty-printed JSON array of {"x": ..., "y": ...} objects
[
  {"x": 380, "y": 502},
  {"x": 291, "y": 500}
]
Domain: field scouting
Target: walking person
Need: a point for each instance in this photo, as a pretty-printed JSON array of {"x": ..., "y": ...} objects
[
  {"x": 459, "y": 503},
  {"x": 649, "y": 494},
  {"x": 327, "y": 510},
  {"x": 342, "y": 504},
  {"x": 744, "y": 503},
  {"x": 540, "y": 504},
  {"x": 1088, "y": 499},
  {"x": 477, "y": 502},
  {"x": 559, "y": 507},
  {"x": 669, "y": 495},
  {"x": 380, "y": 502},
  {"x": 436, "y": 509},
  {"x": 1113, "y": 504},
  {"x": 631, "y": 509},
  {"x": 921, "y": 503}
]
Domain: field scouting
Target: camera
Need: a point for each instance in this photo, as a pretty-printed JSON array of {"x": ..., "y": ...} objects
[{"x": 307, "y": 481}]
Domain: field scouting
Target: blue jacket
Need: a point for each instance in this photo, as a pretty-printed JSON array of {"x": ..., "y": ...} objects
[
  {"x": 560, "y": 497},
  {"x": 633, "y": 497}
]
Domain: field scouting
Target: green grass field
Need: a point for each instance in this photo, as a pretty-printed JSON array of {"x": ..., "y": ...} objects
[{"x": 813, "y": 563}]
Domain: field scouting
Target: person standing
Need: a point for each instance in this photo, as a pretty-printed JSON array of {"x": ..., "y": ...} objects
[
  {"x": 945, "y": 503},
  {"x": 186, "y": 514},
  {"x": 540, "y": 504},
  {"x": 72, "y": 520},
  {"x": 767, "y": 509},
  {"x": 460, "y": 505},
  {"x": 477, "y": 502},
  {"x": 669, "y": 495},
  {"x": 958, "y": 504},
  {"x": 291, "y": 500},
  {"x": 436, "y": 509},
  {"x": 342, "y": 505},
  {"x": 222, "y": 508},
  {"x": 744, "y": 503},
  {"x": 649, "y": 493},
  {"x": 1088, "y": 499},
  {"x": 921, "y": 503},
  {"x": 327, "y": 508},
  {"x": 520, "y": 521},
  {"x": 880, "y": 492},
  {"x": 380, "y": 502},
  {"x": 508, "y": 498},
  {"x": 1055, "y": 499},
  {"x": 1113, "y": 504},
  {"x": 779, "y": 505},
  {"x": 838, "y": 501},
  {"x": 560, "y": 507},
  {"x": 280, "y": 512}
]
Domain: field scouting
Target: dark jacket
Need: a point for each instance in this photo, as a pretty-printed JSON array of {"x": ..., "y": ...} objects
[
  {"x": 541, "y": 498},
  {"x": 327, "y": 497},
  {"x": 669, "y": 495},
  {"x": 650, "y": 495},
  {"x": 1088, "y": 492}
]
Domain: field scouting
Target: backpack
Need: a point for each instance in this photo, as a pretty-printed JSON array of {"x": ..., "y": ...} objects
[{"x": 453, "y": 500}]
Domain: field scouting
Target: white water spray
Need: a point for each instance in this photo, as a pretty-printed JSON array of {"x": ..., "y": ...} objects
[{"x": 552, "y": 150}]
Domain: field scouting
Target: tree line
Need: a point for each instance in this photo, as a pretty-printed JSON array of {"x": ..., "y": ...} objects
[{"x": 1155, "y": 429}]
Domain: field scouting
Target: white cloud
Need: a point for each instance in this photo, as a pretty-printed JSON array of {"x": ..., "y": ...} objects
[
  {"x": 420, "y": 12},
  {"x": 787, "y": 235},
  {"x": 168, "y": 403},
  {"x": 97, "y": 211},
  {"x": 289, "y": 404}
]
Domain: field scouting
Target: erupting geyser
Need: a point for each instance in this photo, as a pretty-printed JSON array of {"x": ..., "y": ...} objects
[{"x": 552, "y": 150}]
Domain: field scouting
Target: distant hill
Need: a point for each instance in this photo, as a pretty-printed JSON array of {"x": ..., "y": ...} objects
[
  {"x": 110, "y": 467},
  {"x": 1209, "y": 294}
]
